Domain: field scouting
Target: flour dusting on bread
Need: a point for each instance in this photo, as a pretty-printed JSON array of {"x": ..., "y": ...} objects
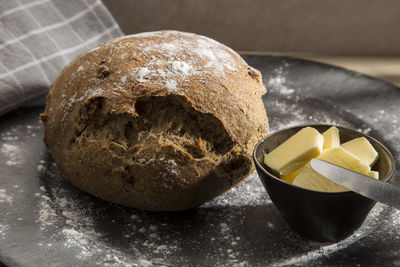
[{"x": 157, "y": 121}]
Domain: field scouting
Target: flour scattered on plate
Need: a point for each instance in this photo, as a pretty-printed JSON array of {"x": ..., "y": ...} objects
[
  {"x": 4, "y": 197},
  {"x": 12, "y": 153},
  {"x": 278, "y": 82}
]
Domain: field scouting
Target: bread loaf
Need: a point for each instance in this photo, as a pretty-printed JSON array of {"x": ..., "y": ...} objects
[{"x": 158, "y": 121}]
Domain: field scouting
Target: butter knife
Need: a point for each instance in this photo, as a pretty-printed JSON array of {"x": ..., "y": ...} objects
[{"x": 383, "y": 192}]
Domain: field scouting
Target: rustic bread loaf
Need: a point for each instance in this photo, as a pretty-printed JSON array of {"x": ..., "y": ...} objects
[{"x": 156, "y": 121}]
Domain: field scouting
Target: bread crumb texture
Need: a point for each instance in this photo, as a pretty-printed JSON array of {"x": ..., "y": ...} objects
[{"x": 156, "y": 121}]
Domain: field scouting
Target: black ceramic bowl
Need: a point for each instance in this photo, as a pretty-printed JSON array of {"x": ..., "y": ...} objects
[{"x": 320, "y": 216}]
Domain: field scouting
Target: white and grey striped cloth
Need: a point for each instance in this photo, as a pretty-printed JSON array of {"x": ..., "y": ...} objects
[{"x": 39, "y": 37}]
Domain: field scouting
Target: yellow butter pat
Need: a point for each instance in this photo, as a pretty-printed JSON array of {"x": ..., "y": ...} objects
[
  {"x": 290, "y": 177},
  {"x": 362, "y": 149},
  {"x": 331, "y": 138},
  {"x": 293, "y": 167},
  {"x": 310, "y": 179},
  {"x": 296, "y": 151},
  {"x": 374, "y": 174}
]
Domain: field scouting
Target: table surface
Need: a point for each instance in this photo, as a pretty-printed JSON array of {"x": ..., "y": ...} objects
[{"x": 382, "y": 67}]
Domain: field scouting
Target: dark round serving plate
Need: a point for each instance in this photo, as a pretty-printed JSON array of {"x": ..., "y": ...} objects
[{"x": 45, "y": 221}]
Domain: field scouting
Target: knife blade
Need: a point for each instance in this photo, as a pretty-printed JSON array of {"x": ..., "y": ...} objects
[{"x": 383, "y": 192}]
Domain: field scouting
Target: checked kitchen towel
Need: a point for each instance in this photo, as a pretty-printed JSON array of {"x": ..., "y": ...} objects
[{"x": 39, "y": 37}]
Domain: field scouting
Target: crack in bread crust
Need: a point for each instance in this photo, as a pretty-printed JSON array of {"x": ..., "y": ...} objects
[{"x": 176, "y": 130}]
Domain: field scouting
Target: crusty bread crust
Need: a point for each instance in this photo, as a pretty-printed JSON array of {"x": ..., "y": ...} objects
[{"x": 156, "y": 121}]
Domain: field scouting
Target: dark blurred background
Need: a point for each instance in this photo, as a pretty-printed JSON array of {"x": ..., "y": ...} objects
[{"x": 344, "y": 27}]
